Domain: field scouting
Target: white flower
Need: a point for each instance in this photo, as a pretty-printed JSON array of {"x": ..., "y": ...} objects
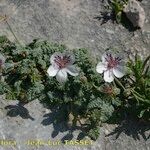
[
  {"x": 111, "y": 66},
  {"x": 61, "y": 64}
]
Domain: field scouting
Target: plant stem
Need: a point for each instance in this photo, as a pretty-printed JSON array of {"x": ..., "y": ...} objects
[
  {"x": 120, "y": 83},
  {"x": 138, "y": 97},
  {"x": 114, "y": 84},
  {"x": 78, "y": 119}
]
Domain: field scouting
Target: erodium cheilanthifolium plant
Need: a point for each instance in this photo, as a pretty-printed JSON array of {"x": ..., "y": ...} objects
[
  {"x": 27, "y": 77},
  {"x": 70, "y": 81},
  {"x": 131, "y": 78}
]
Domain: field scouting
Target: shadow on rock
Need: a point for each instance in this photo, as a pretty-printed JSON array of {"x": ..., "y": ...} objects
[
  {"x": 127, "y": 24},
  {"x": 57, "y": 118},
  {"x": 133, "y": 128},
  {"x": 104, "y": 17},
  {"x": 18, "y": 110}
]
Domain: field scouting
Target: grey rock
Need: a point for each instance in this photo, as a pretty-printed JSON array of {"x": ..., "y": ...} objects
[
  {"x": 135, "y": 13},
  {"x": 72, "y": 23},
  {"x": 39, "y": 126}
]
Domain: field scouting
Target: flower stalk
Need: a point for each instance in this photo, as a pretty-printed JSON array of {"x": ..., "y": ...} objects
[{"x": 120, "y": 84}]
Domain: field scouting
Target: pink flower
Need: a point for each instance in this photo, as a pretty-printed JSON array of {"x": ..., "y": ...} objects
[
  {"x": 112, "y": 66},
  {"x": 61, "y": 64}
]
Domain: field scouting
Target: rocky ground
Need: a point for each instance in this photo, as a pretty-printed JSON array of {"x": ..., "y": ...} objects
[
  {"x": 35, "y": 122},
  {"x": 77, "y": 24}
]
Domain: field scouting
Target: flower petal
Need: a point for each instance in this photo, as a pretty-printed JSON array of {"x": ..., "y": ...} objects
[
  {"x": 118, "y": 72},
  {"x": 52, "y": 71},
  {"x": 70, "y": 56},
  {"x": 108, "y": 76},
  {"x": 101, "y": 67},
  {"x": 106, "y": 56},
  {"x": 72, "y": 70},
  {"x": 61, "y": 76},
  {"x": 54, "y": 56},
  {"x": 119, "y": 55}
]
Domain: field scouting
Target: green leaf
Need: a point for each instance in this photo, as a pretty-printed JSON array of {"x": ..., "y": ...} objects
[
  {"x": 142, "y": 113},
  {"x": 17, "y": 86},
  {"x": 145, "y": 62},
  {"x": 94, "y": 133}
]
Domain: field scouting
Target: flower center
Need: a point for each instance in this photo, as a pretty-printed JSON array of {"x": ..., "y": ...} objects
[
  {"x": 62, "y": 62},
  {"x": 112, "y": 62}
]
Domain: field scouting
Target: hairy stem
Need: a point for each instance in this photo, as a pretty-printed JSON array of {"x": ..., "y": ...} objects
[{"x": 120, "y": 84}]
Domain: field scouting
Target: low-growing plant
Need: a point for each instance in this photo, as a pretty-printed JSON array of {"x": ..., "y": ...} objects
[
  {"x": 138, "y": 86},
  {"x": 115, "y": 8},
  {"x": 134, "y": 87},
  {"x": 26, "y": 79},
  {"x": 69, "y": 79}
]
